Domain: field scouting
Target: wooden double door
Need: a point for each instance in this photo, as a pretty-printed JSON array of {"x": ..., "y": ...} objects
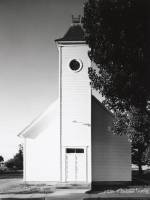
[{"x": 75, "y": 165}]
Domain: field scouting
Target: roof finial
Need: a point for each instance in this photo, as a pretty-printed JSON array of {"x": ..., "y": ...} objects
[{"x": 76, "y": 20}]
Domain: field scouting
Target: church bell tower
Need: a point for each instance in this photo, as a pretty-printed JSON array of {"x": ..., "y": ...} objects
[{"x": 75, "y": 105}]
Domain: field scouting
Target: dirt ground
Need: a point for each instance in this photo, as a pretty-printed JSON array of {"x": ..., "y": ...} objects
[
  {"x": 71, "y": 194},
  {"x": 5, "y": 184}
]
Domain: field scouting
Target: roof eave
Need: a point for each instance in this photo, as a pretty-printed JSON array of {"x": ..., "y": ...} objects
[
  {"x": 70, "y": 42},
  {"x": 23, "y": 133}
]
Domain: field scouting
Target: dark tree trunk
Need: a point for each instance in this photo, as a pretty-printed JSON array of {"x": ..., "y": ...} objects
[
  {"x": 140, "y": 155},
  {"x": 140, "y": 169}
]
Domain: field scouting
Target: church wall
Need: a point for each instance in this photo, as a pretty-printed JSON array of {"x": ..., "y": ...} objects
[
  {"x": 76, "y": 102},
  {"x": 111, "y": 156},
  {"x": 76, "y": 97},
  {"x": 42, "y": 155}
]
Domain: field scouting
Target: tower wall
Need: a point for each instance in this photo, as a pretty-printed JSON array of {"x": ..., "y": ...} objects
[{"x": 75, "y": 102}]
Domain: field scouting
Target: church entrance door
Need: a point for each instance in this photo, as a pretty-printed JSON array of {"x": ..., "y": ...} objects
[{"x": 75, "y": 165}]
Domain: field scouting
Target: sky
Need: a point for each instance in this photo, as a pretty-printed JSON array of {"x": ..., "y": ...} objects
[{"x": 29, "y": 62}]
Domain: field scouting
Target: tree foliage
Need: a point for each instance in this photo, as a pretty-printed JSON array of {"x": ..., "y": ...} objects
[
  {"x": 1, "y": 159},
  {"x": 17, "y": 161},
  {"x": 136, "y": 125},
  {"x": 118, "y": 34}
]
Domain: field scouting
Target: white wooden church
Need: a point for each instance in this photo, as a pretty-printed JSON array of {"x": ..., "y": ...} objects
[{"x": 70, "y": 142}]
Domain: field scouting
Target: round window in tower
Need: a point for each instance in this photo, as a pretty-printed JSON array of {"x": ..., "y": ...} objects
[{"x": 75, "y": 65}]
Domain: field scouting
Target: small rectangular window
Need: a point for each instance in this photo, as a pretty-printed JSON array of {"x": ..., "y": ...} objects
[
  {"x": 79, "y": 150},
  {"x": 70, "y": 150},
  {"x": 73, "y": 150}
]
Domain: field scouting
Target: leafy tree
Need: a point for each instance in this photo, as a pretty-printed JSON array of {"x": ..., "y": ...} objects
[
  {"x": 136, "y": 126},
  {"x": 10, "y": 163},
  {"x": 17, "y": 161},
  {"x": 1, "y": 159},
  {"x": 118, "y": 36},
  {"x": 18, "y": 158}
]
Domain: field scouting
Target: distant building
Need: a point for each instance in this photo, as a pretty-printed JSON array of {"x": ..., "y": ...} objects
[{"x": 70, "y": 142}]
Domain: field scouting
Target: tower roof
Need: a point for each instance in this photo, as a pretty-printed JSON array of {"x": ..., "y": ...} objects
[{"x": 75, "y": 32}]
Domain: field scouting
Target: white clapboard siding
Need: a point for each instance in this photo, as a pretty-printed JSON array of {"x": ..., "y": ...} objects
[
  {"x": 42, "y": 154},
  {"x": 75, "y": 96},
  {"x": 111, "y": 156}
]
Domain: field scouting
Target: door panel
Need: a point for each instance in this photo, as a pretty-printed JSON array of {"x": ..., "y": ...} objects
[
  {"x": 75, "y": 165},
  {"x": 81, "y": 167},
  {"x": 70, "y": 167}
]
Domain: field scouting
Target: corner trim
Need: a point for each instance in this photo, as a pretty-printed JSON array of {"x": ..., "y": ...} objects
[
  {"x": 24, "y": 160},
  {"x": 60, "y": 98}
]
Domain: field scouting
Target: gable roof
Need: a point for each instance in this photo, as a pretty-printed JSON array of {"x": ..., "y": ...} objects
[{"x": 41, "y": 123}]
